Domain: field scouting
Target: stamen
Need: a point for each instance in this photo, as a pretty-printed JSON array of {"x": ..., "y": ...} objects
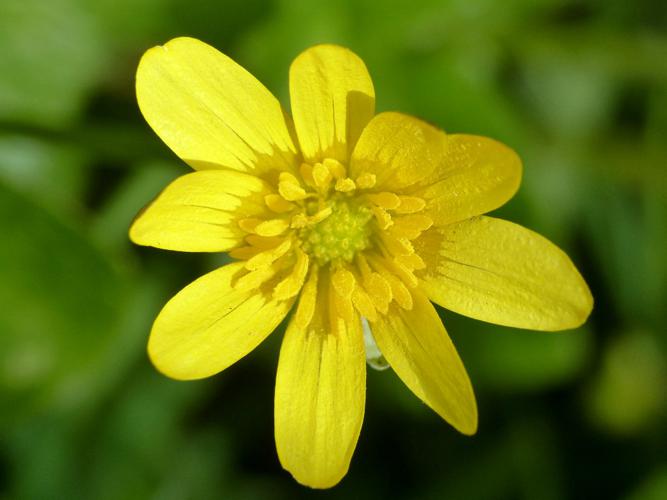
[
  {"x": 267, "y": 257},
  {"x": 345, "y": 185},
  {"x": 244, "y": 253},
  {"x": 412, "y": 261},
  {"x": 342, "y": 307},
  {"x": 249, "y": 225},
  {"x": 382, "y": 216},
  {"x": 399, "y": 291},
  {"x": 263, "y": 242},
  {"x": 396, "y": 246},
  {"x": 302, "y": 220},
  {"x": 291, "y": 285},
  {"x": 377, "y": 287},
  {"x": 256, "y": 244},
  {"x": 290, "y": 188},
  {"x": 411, "y": 226},
  {"x": 321, "y": 176},
  {"x": 254, "y": 279},
  {"x": 306, "y": 308},
  {"x": 335, "y": 234},
  {"x": 278, "y": 204},
  {"x": 363, "y": 265},
  {"x": 404, "y": 273},
  {"x": 366, "y": 181},
  {"x": 388, "y": 201},
  {"x": 343, "y": 281},
  {"x": 336, "y": 168},
  {"x": 363, "y": 304},
  {"x": 380, "y": 292},
  {"x": 272, "y": 227},
  {"x": 410, "y": 205},
  {"x": 306, "y": 171}
]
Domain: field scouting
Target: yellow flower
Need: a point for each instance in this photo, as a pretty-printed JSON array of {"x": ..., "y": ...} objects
[{"x": 349, "y": 217}]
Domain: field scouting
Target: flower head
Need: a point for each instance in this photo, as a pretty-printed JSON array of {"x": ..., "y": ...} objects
[{"x": 346, "y": 217}]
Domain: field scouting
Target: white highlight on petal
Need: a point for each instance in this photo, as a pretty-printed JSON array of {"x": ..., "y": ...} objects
[{"x": 374, "y": 356}]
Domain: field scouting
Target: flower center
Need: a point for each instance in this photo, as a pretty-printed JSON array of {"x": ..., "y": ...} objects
[
  {"x": 320, "y": 217},
  {"x": 341, "y": 235}
]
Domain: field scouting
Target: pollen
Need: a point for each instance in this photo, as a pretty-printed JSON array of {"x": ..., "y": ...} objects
[
  {"x": 320, "y": 218},
  {"x": 341, "y": 235}
]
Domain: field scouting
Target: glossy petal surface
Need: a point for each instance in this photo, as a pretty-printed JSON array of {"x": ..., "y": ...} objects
[
  {"x": 199, "y": 212},
  {"x": 399, "y": 150},
  {"x": 210, "y": 325},
  {"x": 500, "y": 272},
  {"x": 417, "y": 347},
  {"x": 320, "y": 395},
  {"x": 475, "y": 175},
  {"x": 332, "y": 101},
  {"x": 210, "y": 111}
]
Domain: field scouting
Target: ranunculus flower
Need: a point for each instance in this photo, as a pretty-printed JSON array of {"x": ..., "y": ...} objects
[{"x": 344, "y": 216}]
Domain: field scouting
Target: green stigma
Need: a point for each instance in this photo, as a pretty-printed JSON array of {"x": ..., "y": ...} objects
[{"x": 340, "y": 236}]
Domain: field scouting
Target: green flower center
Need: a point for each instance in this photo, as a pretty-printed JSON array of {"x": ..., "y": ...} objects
[{"x": 341, "y": 235}]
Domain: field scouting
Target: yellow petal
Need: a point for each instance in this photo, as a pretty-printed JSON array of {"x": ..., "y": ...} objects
[
  {"x": 200, "y": 212},
  {"x": 398, "y": 149},
  {"x": 497, "y": 271},
  {"x": 332, "y": 101},
  {"x": 476, "y": 175},
  {"x": 210, "y": 111},
  {"x": 320, "y": 394},
  {"x": 209, "y": 325},
  {"x": 292, "y": 283},
  {"x": 421, "y": 353}
]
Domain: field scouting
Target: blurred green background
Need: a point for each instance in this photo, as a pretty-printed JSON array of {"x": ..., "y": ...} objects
[{"x": 578, "y": 88}]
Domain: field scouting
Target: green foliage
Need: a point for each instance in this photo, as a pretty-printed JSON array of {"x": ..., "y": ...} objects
[
  {"x": 52, "y": 58},
  {"x": 52, "y": 334},
  {"x": 579, "y": 89}
]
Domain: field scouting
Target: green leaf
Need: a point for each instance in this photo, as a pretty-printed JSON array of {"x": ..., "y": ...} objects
[
  {"x": 61, "y": 300},
  {"x": 51, "y": 56},
  {"x": 653, "y": 487},
  {"x": 512, "y": 360},
  {"x": 634, "y": 371},
  {"x": 144, "y": 183},
  {"x": 50, "y": 174}
]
